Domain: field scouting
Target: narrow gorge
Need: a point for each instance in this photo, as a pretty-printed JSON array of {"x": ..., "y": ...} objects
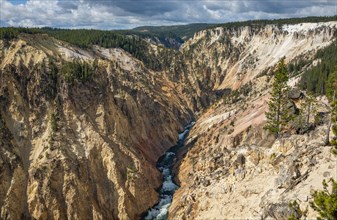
[
  {"x": 86, "y": 132},
  {"x": 165, "y": 164}
]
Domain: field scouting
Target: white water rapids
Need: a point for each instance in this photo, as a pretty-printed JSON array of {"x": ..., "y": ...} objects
[{"x": 164, "y": 165}]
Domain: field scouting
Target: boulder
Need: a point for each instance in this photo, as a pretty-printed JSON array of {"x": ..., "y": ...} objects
[
  {"x": 295, "y": 93},
  {"x": 240, "y": 161},
  {"x": 281, "y": 211},
  {"x": 288, "y": 172},
  {"x": 292, "y": 108}
]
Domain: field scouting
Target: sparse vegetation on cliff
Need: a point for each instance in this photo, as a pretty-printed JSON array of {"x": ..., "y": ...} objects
[
  {"x": 297, "y": 213},
  {"x": 76, "y": 70},
  {"x": 331, "y": 94},
  {"x": 53, "y": 121}
]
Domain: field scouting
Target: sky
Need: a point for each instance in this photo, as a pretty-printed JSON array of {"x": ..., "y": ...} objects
[{"x": 126, "y": 14}]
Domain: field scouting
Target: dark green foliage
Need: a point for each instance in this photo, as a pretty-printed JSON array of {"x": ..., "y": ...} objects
[
  {"x": 297, "y": 213},
  {"x": 315, "y": 78},
  {"x": 332, "y": 96},
  {"x": 234, "y": 96},
  {"x": 53, "y": 70},
  {"x": 8, "y": 33},
  {"x": 246, "y": 89},
  {"x": 331, "y": 85},
  {"x": 325, "y": 201},
  {"x": 76, "y": 70},
  {"x": 182, "y": 31},
  {"x": 223, "y": 93},
  {"x": 53, "y": 77},
  {"x": 232, "y": 123},
  {"x": 296, "y": 67},
  {"x": 53, "y": 122},
  {"x": 108, "y": 39},
  {"x": 278, "y": 115}
]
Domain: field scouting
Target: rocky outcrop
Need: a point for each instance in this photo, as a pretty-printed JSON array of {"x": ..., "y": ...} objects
[{"x": 281, "y": 211}]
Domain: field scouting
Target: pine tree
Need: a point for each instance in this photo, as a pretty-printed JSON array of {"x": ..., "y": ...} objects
[{"x": 278, "y": 114}]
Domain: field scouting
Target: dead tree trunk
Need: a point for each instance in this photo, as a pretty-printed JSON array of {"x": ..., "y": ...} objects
[{"x": 327, "y": 137}]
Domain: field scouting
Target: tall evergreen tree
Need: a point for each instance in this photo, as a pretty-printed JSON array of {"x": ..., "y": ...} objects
[{"x": 278, "y": 114}]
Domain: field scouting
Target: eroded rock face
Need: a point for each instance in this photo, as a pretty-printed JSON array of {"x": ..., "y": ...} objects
[
  {"x": 87, "y": 149},
  {"x": 236, "y": 170},
  {"x": 234, "y": 56},
  {"x": 233, "y": 169}
]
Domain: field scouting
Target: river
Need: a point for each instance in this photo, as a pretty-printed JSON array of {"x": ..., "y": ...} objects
[{"x": 166, "y": 191}]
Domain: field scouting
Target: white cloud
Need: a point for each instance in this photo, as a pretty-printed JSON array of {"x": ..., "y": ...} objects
[{"x": 117, "y": 14}]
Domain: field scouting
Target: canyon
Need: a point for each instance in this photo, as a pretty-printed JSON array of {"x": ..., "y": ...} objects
[{"x": 87, "y": 148}]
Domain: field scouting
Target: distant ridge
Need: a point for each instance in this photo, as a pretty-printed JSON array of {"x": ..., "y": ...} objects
[
  {"x": 182, "y": 31},
  {"x": 168, "y": 36},
  {"x": 187, "y": 31}
]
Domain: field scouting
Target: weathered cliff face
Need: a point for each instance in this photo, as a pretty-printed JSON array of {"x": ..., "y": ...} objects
[
  {"x": 230, "y": 57},
  {"x": 81, "y": 150},
  {"x": 232, "y": 167}
]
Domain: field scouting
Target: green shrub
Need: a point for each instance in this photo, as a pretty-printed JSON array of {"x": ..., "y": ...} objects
[
  {"x": 325, "y": 201},
  {"x": 297, "y": 212}
]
